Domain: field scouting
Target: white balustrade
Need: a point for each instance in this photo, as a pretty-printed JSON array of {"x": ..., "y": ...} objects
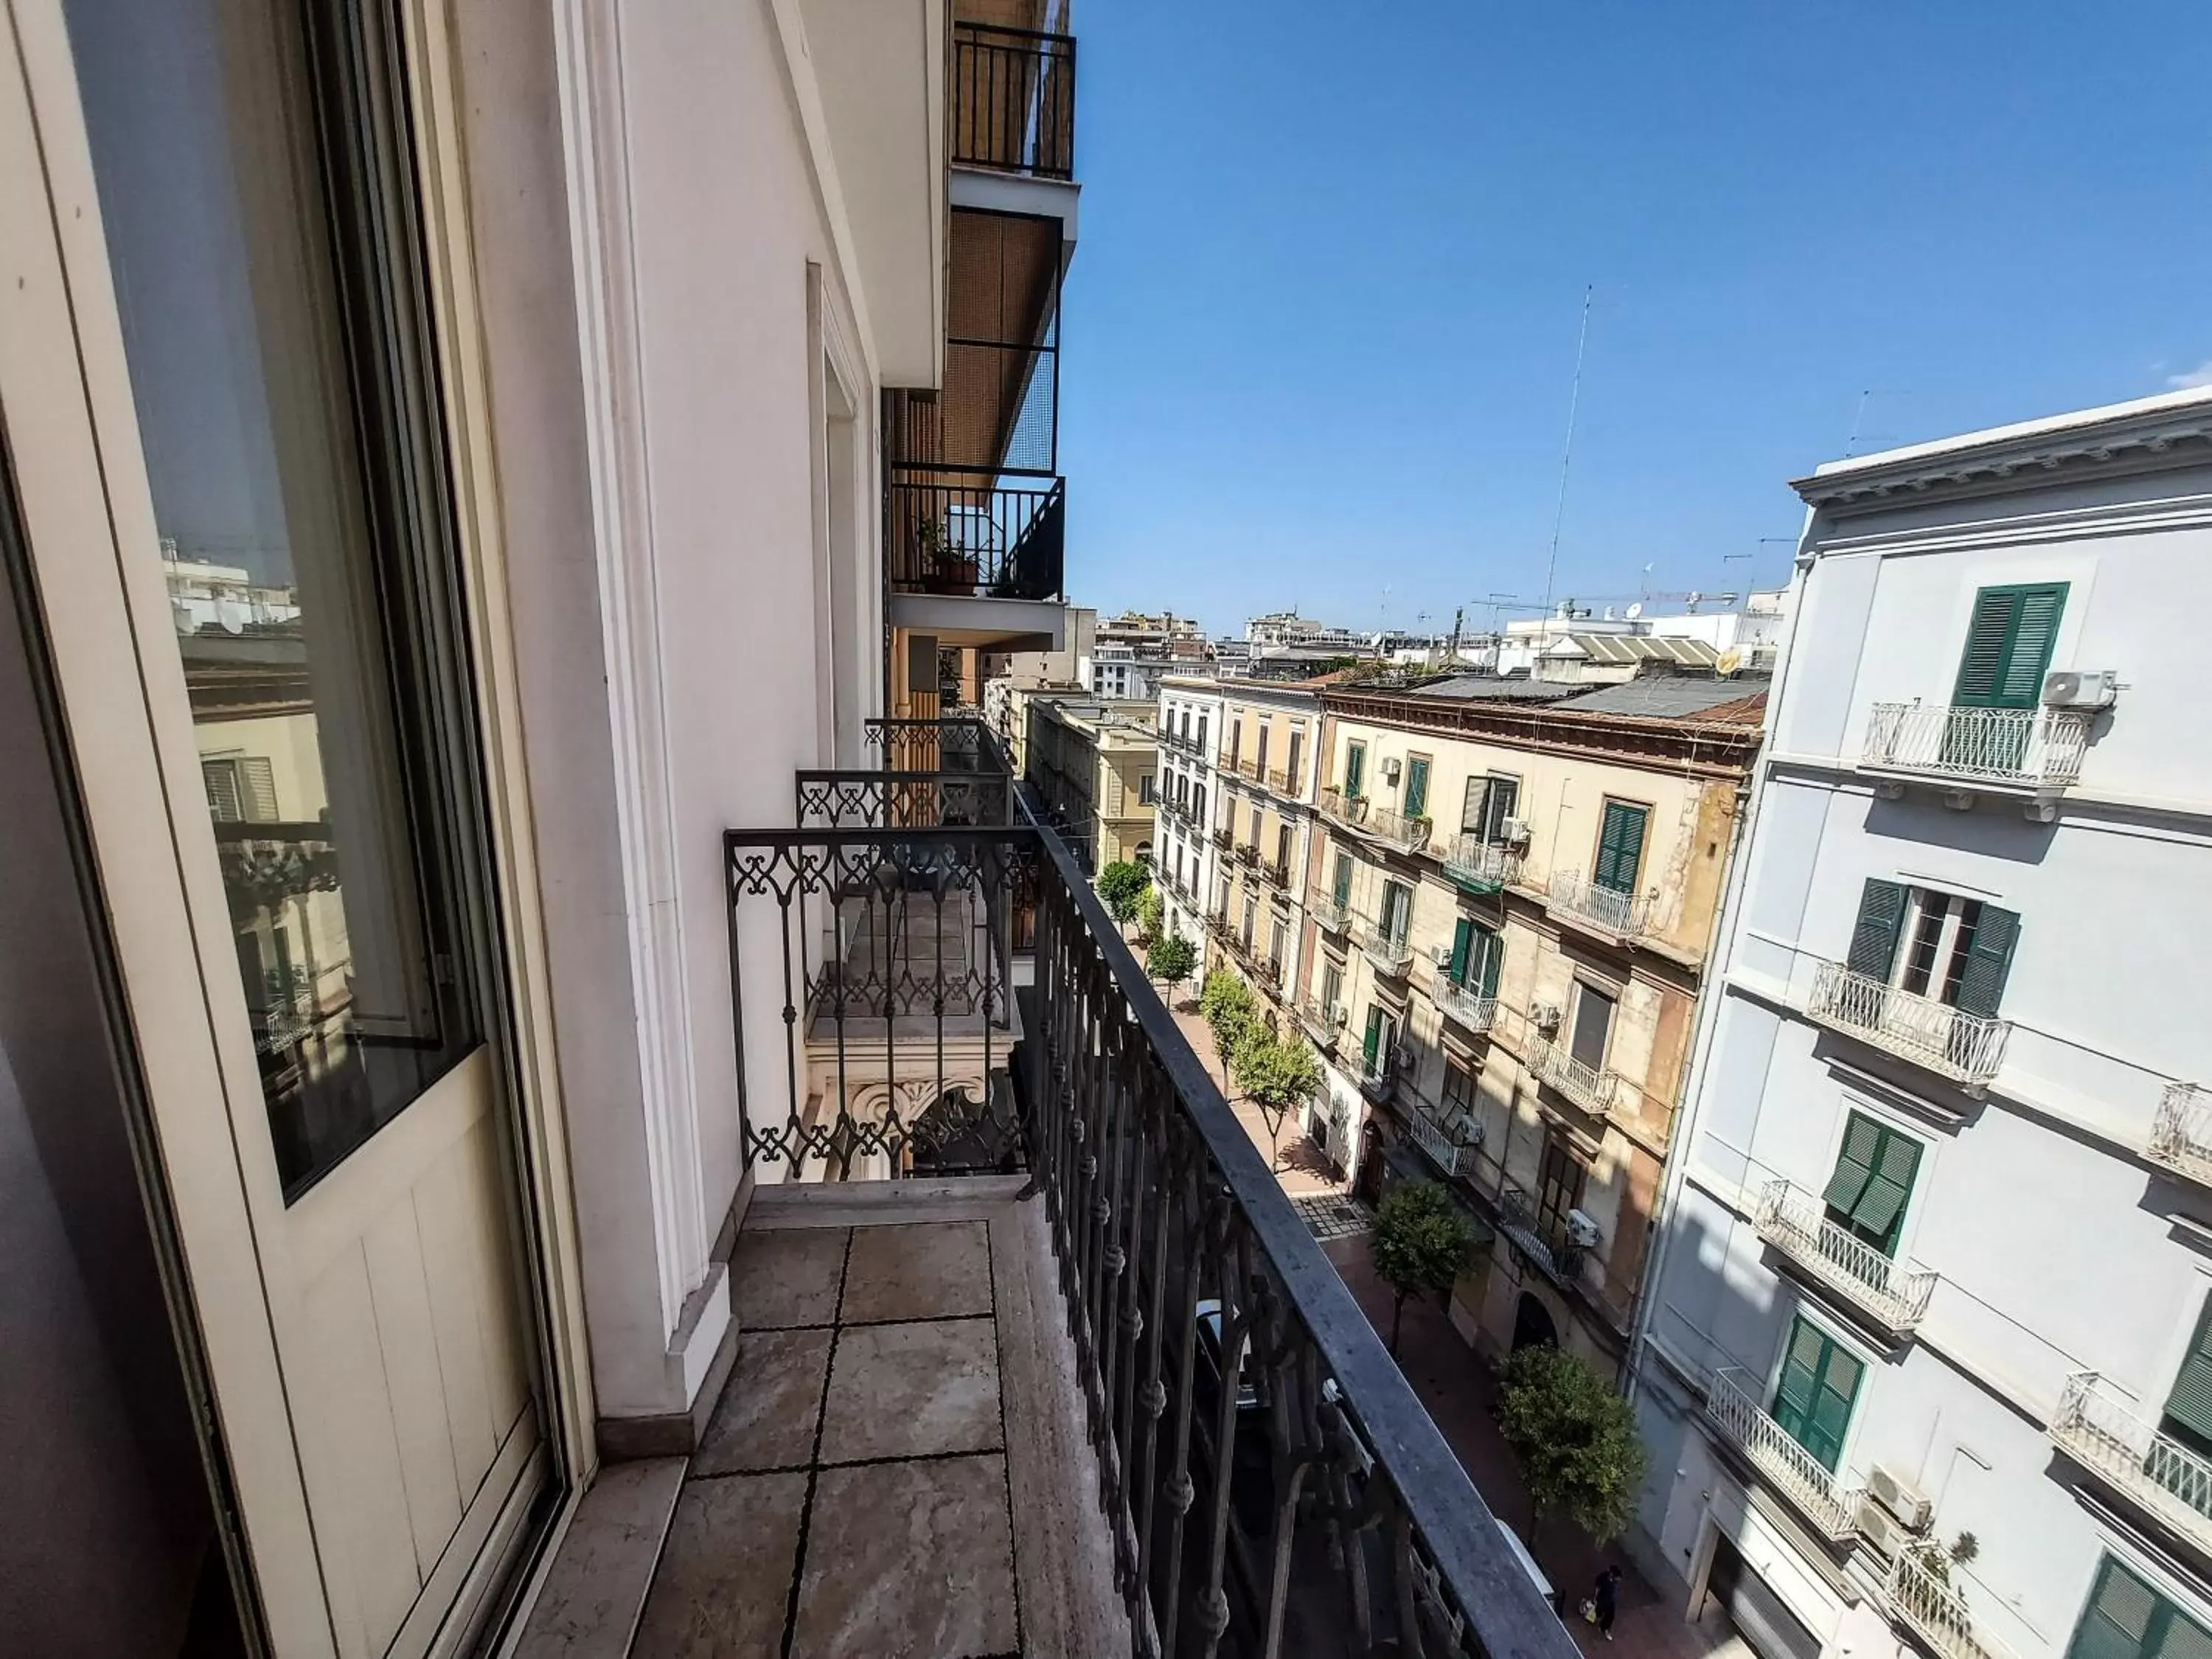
[
  {"x": 1796, "y": 1223},
  {"x": 2108, "y": 1435},
  {"x": 2038, "y": 748},
  {"x": 1733, "y": 1409},
  {"x": 2181, "y": 1135},
  {"x": 1967, "y": 1047},
  {"x": 1621, "y": 913}
]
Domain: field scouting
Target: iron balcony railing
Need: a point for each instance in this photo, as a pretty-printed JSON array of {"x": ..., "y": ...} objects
[
  {"x": 1248, "y": 768},
  {"x": 1932, "y": 1607},
  {"x": 1013, "y": 99},
  {"x": 1479, "y": 866},
  {"x": 1224, "y": 837},
  {"x": 1248, "y": 854},
  {"x": 1965, "y": 1048},
  {"x": 915, "y": 800},
  {"x": 2181, "y": 1135},
  {"x": 1224, "y": 761},
  {"x": 934, "y": 746},
  {"x": 2033, "y": 748},
  {"x": 1463, "y": 1005},
  {"x": 1795, "y": 1222},
  {"x": 972, "y": 537},
  {"x": 2104, "y": 1432},
  {"x": 1324, "y": 1021},
  {"x": 1378, "y": 1074},
  {"x": 1350, "y": 810},
  {"x": 1391, "y": 953},
  {"x": 1330, "y": 914},
  {"x": 1283, "y": 780},
  {"x": 1734, "y": 1409},
  {"x": 1608, "y": 909},
  {"x": 1590, "y": 1087},
  {"x": 1448, "y": 1147},
  {"x": 1542, "y": 1239},
  {"x": 1386, "y": 823}
]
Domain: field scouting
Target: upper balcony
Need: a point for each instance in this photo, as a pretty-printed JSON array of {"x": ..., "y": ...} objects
[
  {"x": 1593, "y": 1088},
  {"x": 1323, "y": 1022},
  {"x": 1284, "y": 780},
  {"x": 1330, "y": 914},
  {"x": 1452, "y": 1147},
  {"x": 1732, "y": 1407},
  {"x": 1013, "y": 99},
  {"x": 1795, "y": 1222},
  {"x": 1391, "y": 954},
  {"x": 1543, "y": 1239},
  {"x": 1608, "y": 912},
  {"x": 1481, "y": 866},
  {"x": 2035, "y": 752},
  {"x": 979, "y": 1320},
  {"x": 1360, "y": 815},
  {"x": 1933, "y": 1610},
  {"x": 1965, "y": 1048},
  {"x": 2181, "y": 1135},
  {"x": 2114, "y": 1439},
  {"x": 1463, "y": 1005}
]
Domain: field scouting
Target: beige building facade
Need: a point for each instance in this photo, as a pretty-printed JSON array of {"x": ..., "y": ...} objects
[{"x": 1095, "y": 766}]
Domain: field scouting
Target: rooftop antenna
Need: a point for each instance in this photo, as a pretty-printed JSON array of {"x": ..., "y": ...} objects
[
  {"x": 1567, "y": 450},
  {"x": 1852, "y": 445}
]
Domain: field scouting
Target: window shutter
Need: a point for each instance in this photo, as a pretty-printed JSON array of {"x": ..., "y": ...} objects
[
  {"x": 1981, "y": 666},
  {"x": 2117, "y": 1622},
  {"x": 1470, "y": 810},
  {"x": 1853, "y": 1165},
  {"x": 1832, "y": 1405},
  {"x": 1989, "y": 959},
  {"x": 1343, "y": 890},
  {"x": 2034, "y": 633},
  {"x": 1800, "y": 1376},
  {"x": 1620, "y": 846},
  {"x": 1417, "y": 787},
  {"x": 1355, "y": 768},
  {"x": 1492, "y": 948},
  {"x": 1462, "y": 938},
  {"x": 1374, "y": 1035},
  {"x": 2190, "y": 1405},
  {"x": 1881, "y": 1206},
  {"x": 1873, "y": 936}
]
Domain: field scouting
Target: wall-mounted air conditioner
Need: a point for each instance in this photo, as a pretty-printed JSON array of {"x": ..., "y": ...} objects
[
  {"x": 1880, "y": 1530},
  {"x": 1582, "y": 1230},
  {"x": 1514, "y": 832},
  {"x": 1544, "y": 1016},
  {"x": 1900, "y": 1497},
  {"x": 2081, "y": 688},
  {"x": 1391, "y": 767},
  {"x": 1441, "y": 956}
]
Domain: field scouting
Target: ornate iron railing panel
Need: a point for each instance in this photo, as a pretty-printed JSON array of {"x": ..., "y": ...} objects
[
  {"x": 904, "y": 800},
  {"x": 2032, "y": 748},
  {"x": 934, "y": 746},
  {"x": 1732, "y": 1407},
  {"x": 1967, "y": 1048}
]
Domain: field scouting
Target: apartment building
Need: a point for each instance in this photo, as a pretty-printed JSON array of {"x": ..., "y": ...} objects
[
  {"x": 1094, "y": 766},
  {"x": 1189, "y": 861},
  {"x": 1510, "y": 902},
  {"x": 1924, "y": 1368},
  {"x": 1265, "y": 766}
]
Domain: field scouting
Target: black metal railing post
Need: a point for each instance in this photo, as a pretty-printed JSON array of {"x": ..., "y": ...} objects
[{"x": 1013, "y": 99}]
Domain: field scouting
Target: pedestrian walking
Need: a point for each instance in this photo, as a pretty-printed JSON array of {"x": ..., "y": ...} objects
[{"x": 1605, "y": 1599}]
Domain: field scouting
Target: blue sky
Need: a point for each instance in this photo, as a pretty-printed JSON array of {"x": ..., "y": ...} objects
[{"x": 1320, "y": 326}]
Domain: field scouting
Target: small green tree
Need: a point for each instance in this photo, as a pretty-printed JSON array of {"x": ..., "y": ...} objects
[
  {"x": 1575, "y": 1439},
  {"x": 1279, "y": 1072},
  {"x": 1152, "y": 915},
  {"x": 1121, "y": 889},
  {"x": 1421, "y": 1244},
  {"x": 1225, "y": 1004},
  {"x": 1173, "y": 959}
]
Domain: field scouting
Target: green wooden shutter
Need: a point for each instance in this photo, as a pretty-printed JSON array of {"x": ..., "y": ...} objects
[
  {"x": 1981, "y": 666},
  {"x": 1491, "y": 945},
  {"x": 1853, "y": 1165},
  {"x": 1417, "y": 786},
  {"x": 2188, "y": 1406},
  {"x": 1619, "y": 847},
  {"x": 1880, "y": 1213},
  {"x": 2126, "y": 1618},
  {"x": 2035, "y": 634},
  {"x": 2009, "y": 644},
  {"x": 1462, "y": 938},
  {"x": 1800, "y": 1377},
  {"x": 1989, "y": 959},
  {"x": 1343, "y": 887},
  {"x": 1874, "y": 935},
  {"x": 1355, "y": 768},
  {"x": 1374, "y": 1035},
  {"x": 1831, "y": 1407},
  {"x": 1813, "y": 1396}
]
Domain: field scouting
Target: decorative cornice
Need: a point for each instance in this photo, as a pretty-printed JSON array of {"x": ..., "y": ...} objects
[{"x": 1713, "y": 748}]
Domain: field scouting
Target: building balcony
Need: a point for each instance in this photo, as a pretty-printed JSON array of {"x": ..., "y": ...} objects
[
  {"x": 2106, "y": 1433},
  {"x": 1732, "y": 1408},
  {"x": 1936, "y": 1613},
  {"x": 1542, "y": 1240},
  {"x": 1573, "y": 898},
  {"x": 1795, "y": 1223},
  {"x": 2181, "y": 1135},
  {"x": 1363, "y": 816},
  {"x": 1967, "y": 1049},
  {"x": 1450, "y": 1147},
  {"x": 2035, "y": 750},
  {"x": 1248, "y": 854},
  {"x": 963, "y": 536},
  {"x": 1477, "y": 866},
  {"x": 1329, "y": 914},
  {"x": 1378, "y": 1075},
  {"x": 1249, "y": 769},
  {"x": 1593, "y": 1088},
  {"x": 1462, "y": 1004},
  {"x": 1391, "y": 954},
  {"x": 1013, "y": 99},
  {"x": 1223, "y": 837},
  {"x": 1323, "y": 1022},
  {"x": 1284, "y": 780}
]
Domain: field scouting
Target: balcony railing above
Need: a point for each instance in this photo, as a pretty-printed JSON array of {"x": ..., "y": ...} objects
[
  {"x": 1463, "y": 1005},
  {"x": 1284, "y": 780},
  {"x": 1965, "y": 1047},
  {"x": 2100, "y": 1429},
  {"x": 1733, "y": 1408},
  {"x": 911, "y": 801},
  {"x": 1481, "y": 866},
  {"x": 1450, "y": 1147},
  {"x": 1590, "y": 1087},
  {"x": 1248, "y": 768},
  {"x": 966, "y": 536},
  {"x": 1247, "y": 854},
  {"x": 1795, "y": 1222},
  {"x": 934, "y": 746},
  {"x": 1323, "y": 1022},
  {"x": 1224, "y": 837},
  {"x": 1608, "y": 910},
  {"x": 2035, "y": 749},
  {"x": 1391, "y": 953},
  {"x": 2181, "y": 1135},
  {"x": 1378, "y": 1074},
  {"x": 1330, "y": 914},
  {"x": 1935, "y": 1611},
  {"x": 1540, "y": 1238},
  {"x": 1013, "y": 99}
]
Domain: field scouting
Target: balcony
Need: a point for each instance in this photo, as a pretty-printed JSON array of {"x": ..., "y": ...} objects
[
  {"x": 1594, "y": 1089},
  {"x": 1795, "y": 1223},
  {"x": 1013, "y": 100},
  {"x": 972, "y": 539},
  {"x": 1541, "y": 1239},
  {"x": 1323, "y": 1022},
  {"x": 2181, "y": 1135},
  {"x": 1936, "y": 1612},
  {"x": 1223, "y": 837},
  {"x": 1965, "y": 1048},
  {"x": 2104, "y": 1432},
  {"x": 1462, "y": 1004},
  {"x": 944, "y": 1348},
  {"x": 1378, "y": 1074},
  {"x": 1614, "y": 915},
  {"x": 1284, "y": 780},
  {"x": 1248, "y": 854},
  {"x": 1330, "y": 914},
  {"x": 1481, "y": 866},
  {"x": 1450, "y": 1147},
  {"x": 1733, "y": 1409},
  {"x": 1360, "y": 815},
  {"x": 1249, "y": 769},
  {"x": 1390, "y": 953},
  {"x": 2038, "y": 750}
]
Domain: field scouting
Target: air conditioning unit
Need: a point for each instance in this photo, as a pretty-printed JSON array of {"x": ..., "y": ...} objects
[
  {"x": 1545, "y": 1016},
  {"x": 1441, "y": 956},
  {"x": 1514, "y": 832},
  {"x": 1340, "y": 1018},
  {"x": 1881, "y": 1529},
  {"x": 1391, "y": 767},
  {"x": 1900, "y": 1497},
  {"x": 2081, "y": 688},
  {"x": 1581, "y": 1230},
  {"x": 1402, "y": 1057}
]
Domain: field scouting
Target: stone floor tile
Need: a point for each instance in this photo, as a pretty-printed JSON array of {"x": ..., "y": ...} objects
[
  {"x": 932, "y": 1271},
  {"x": 724, "y": 1586},
  {"x": 913, "y": 1391},
  {"x": 788, "y": 1278},
  {"x": 908, "y": 1561},
  {"x": 771, "y": 1407}
]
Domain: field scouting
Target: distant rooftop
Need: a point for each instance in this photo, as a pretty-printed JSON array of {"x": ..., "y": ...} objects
[{"x": 1740, "y": 700}]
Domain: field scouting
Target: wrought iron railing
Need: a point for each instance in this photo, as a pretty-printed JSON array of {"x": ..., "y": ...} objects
[
  {"x": 1543, "y": 1239},
  {"x": 1224, "y": 837},
  {"x": 911, "y": 801},
  {"x": 1796, "y": 1223},
  {"x": 934, "y": 746},
  {"x": 1399, "y": 829},
  {"x": 1379, "y": 1072},
  {"x": 1451, "y": 1148},
  {"x": 1330, "y": 914},
  {"x": 1733, "y": 1408},
  {"x": 2039, "y": 748},
  {"x": 1283, "y": 780},
  {"x": 1464, "y": 1006},
  {"x": 1935, "y": 1610},
  {"x": 1013, "y": 99},
  {"x": 1248, "y": 854},
  {"x": 1249, "y": 769},
  {"x": 1621, "y": 913},
  {"x": 1390, "y": 952},
  {"x": 2181, "y": 1135},
  {"x": 1350, "y": 810},
  {"x": 1479, "y": 866},
  {"x": 2106, "y": 1432},
  {"x": 1323, "y": 1022},
  {"x": 1593, "y": 1088},
  {"x": 1967, "y": 1047},
  {"x": 970, "y": 536}
]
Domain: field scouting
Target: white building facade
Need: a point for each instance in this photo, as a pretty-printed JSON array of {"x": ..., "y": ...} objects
[
  {"x": 1186, "y": 862},
  {"x": 1926, "y": 1363}
]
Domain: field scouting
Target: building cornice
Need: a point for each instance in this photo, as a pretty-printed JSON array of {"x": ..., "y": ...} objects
[{"x": 1713, "y": 748}]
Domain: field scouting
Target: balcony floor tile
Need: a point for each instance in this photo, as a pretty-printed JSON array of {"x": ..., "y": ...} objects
[
  {"x": 767, "y": 1415},
  {"x": 787, "y": 1278},
  {"x": 721, "y": 1586},
  {"x": 937, "y": 1270},
  {"x": 913, "y": 1391}
]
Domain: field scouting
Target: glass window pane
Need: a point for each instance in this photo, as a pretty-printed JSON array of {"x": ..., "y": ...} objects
[{"x": 317, "y": 629}]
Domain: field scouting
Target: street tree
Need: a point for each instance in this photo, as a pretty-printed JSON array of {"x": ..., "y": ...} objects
[
  {"x": 1172, "y": 960},
  {"x": 1121, "y": 889},
  {"x": 1421, "y": 1244},
  {"x": 1575, "y": 1439},
  {"x": 1225, "y": 1003},
  {"x": 1279, "y": 1072}
]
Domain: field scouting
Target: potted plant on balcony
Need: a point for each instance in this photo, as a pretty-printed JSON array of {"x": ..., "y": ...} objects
[{"x": 945, "y": 569}]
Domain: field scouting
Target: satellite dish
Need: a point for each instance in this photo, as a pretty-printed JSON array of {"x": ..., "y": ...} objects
[
  {"x": 1729, "y": 663},
  {"x": 1635, "y": 610}
]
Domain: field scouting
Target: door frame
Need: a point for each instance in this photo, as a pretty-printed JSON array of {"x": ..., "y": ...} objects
[{"x": 85, "y": 502}]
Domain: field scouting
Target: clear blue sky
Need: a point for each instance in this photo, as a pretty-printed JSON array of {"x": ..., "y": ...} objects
[{"x": 1322, "y": 323}]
